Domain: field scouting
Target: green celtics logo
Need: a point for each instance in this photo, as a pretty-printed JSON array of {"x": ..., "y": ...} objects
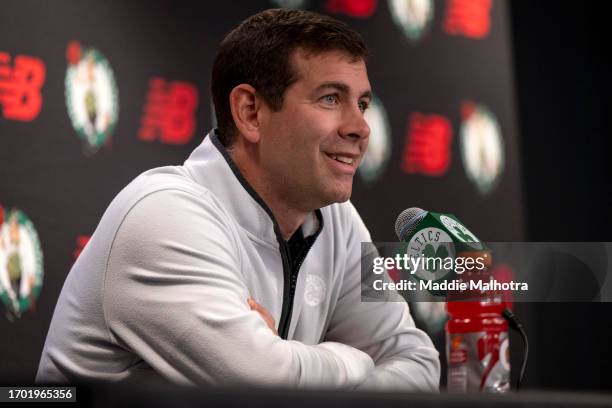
[
  {"x": 433, "y": 246},
  {"x": 21, "y": 266},
  {"x": 482, "y": 147},
  {"x": 460, "y": 232},
  {"x": 379, "y": 147},
  {"x": 412, "y": 16},
  {"x": 91, "y": 96}
]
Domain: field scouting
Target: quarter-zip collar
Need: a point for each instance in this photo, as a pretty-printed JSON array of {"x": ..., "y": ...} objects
[{"x": 211, "y": 165}]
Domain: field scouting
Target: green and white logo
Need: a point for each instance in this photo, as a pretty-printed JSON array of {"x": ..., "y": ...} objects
[
  {"x": 482, "y": 147},
  {"x": 433, "y": 245},
  {"x": 412, "y": 16},
  {"x": 91, "y": 96},
  {"x": 460, "y": 231},
  {"x": 21, "y": 263},
  {"x": 379, "y": 147}
]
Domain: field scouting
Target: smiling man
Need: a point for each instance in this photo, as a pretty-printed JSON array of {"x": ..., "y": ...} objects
[
  {"x": 242, "y": 265},
  {"x": 304, "y": 155}
]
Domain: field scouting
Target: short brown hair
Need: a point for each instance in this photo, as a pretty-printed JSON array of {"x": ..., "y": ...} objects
[{"x": 257, "y": 53}]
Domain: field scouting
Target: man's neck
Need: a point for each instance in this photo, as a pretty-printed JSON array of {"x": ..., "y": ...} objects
[{"x": 288, "y": 216}]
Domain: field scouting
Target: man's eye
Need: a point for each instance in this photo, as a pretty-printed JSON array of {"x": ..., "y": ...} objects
[
  {"x": 363, "y": 105},
  {"x": 331, "y": 99}
]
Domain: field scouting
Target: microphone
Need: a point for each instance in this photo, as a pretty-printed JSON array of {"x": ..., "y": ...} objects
[
  {"x": 439, "y": 240},
  {"x": 411, "y": 224},
  {"x": 435, "y": 234}
]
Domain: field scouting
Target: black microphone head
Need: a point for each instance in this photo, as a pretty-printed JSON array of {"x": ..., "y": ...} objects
[{"x": 407, "y": 221}]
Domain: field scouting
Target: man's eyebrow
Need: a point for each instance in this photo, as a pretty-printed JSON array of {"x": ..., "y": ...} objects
[{"x": 342, "y": 87}]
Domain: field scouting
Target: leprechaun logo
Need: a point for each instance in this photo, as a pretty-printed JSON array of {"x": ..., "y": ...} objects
[
  {"x": 482, "y": 147},
  {"x": 379, "y": 147},
  {"x": 21, "y": 270},
  {"x": 412, "y": 16},
  {"x": 91, "y": 96}
]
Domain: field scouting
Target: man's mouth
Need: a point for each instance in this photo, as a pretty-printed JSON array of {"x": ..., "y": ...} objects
[
  {"x": 343, "y": 163},
  {"x": 342, "y": 159}
]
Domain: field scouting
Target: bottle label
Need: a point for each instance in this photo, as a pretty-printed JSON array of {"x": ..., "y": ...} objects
[{"x": 478, "y": 362}]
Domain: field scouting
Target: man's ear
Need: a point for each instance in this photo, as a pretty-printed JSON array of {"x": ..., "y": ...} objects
[{"x": 245, "y": 105}]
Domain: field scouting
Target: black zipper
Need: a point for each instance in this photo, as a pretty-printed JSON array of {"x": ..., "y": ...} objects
[
  {"x": 283, "y": 324},
  {"x": 290, "y": 284}
]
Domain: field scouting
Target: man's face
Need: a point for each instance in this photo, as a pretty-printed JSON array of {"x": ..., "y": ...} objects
[{"x": 311, "y": 148}]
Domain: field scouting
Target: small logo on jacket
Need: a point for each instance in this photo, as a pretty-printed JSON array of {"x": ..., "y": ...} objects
[{"x": 315, "y": 290}]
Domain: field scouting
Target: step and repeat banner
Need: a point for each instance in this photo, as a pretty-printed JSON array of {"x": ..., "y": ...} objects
[{"x": 93, "y": 93}]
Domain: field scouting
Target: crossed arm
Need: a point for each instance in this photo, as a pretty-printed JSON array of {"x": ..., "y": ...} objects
[{"x": 408, "y": 369}]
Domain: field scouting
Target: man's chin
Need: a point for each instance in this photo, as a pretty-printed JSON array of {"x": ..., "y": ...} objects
[{"x": 340, "y": 196}]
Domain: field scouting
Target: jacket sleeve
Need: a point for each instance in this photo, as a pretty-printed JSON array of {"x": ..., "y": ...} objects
[
  {"x": 173, "y": 296},
  {"x": 405, "y": 357}
]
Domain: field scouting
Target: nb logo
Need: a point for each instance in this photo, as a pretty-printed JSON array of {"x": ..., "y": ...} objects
[
  {"x": 20, "y": 86},
  {"x": 169, "y": 112}
]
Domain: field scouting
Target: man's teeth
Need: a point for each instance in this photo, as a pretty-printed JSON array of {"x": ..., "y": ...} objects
[{"x": 343, "y": 159}]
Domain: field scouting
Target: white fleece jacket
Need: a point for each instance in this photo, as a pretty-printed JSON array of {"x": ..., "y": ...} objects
[{"x": 161, "y": 290}]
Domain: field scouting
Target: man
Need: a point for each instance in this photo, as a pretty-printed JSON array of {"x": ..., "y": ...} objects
[{"x": 191, "y": 267}]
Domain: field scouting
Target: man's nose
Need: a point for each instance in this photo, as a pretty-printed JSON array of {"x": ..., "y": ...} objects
[{"x": 354, "y": 125}]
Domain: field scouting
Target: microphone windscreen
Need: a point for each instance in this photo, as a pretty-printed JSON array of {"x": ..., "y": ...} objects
[{"x": 407, "y": 221}]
